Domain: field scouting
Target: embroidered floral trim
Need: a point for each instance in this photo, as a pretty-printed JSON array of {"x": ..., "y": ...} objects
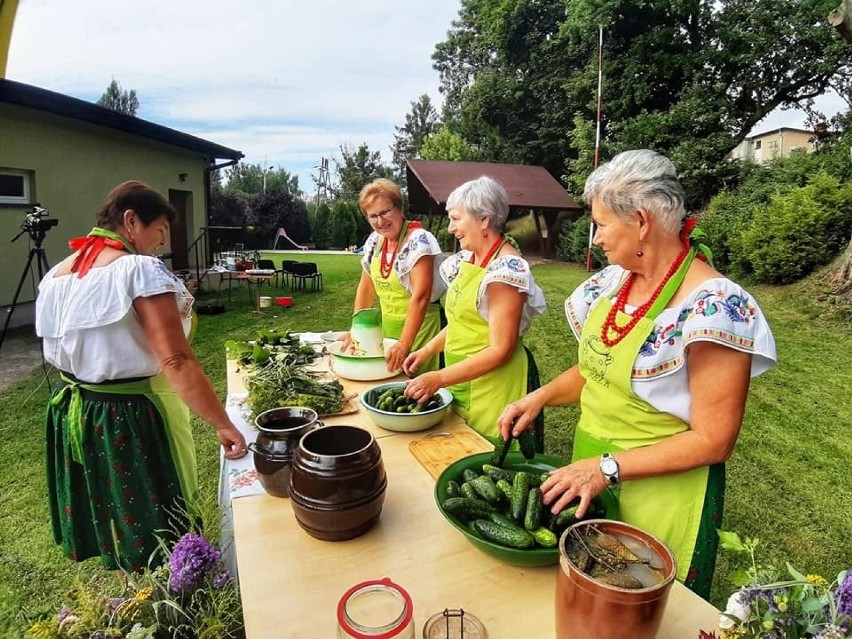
[
  {"x": 722, "y": 337},
  {"x": 659, "y": 370}
]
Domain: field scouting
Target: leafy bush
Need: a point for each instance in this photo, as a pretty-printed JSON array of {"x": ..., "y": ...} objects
[
  {"x": 724, "y": 221},
  {"x": 573, "y": 242},
  {"x": 320, "y": 230},
  {"x": 342, "y": 229},
  {"x": 799, "y": 230}
]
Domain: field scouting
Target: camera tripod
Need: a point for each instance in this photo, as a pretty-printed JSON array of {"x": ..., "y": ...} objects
[{"x": 36, "y": 253}]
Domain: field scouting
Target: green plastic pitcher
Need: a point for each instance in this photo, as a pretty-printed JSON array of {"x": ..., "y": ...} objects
[{"x": 366, "y": 333}]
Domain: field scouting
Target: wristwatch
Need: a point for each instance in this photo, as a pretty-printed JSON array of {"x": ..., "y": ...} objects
[{"x": 609, "y": 468}]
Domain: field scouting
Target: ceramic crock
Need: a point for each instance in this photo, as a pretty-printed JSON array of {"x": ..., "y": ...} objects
[
  {"x": 338, "y": 482},
  {"x": 366, "y": 333},
  {"x": 280, "y": 432},
  {"x": 590, "y": 609}
]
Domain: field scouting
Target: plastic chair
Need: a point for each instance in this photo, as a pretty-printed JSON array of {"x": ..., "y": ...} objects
[
  {"x": 287, "y": 271},
  {"x": 304, "y": 272},
  {"x": 270, "y": 266}
]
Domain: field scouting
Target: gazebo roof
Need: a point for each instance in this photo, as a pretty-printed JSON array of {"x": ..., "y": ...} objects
[{"x": 529, "y": 187}]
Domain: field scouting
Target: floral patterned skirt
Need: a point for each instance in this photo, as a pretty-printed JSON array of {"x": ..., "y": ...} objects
[{"x": 124, "y": 493}]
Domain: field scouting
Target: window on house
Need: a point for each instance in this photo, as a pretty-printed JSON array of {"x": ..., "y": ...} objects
[
  {"x": 757, "y": 145},
  {"x": 14, "y": 187}
]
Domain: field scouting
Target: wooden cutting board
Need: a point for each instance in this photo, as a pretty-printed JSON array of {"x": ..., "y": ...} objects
[{"x": 436, "y": 452}]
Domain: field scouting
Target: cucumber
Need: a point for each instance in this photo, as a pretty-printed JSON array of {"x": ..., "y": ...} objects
[
  {"x": 498, "y": 457},
  {"x": 532, "y": 517},
  {"x": 453, "y": 489},
  {"x": 520, "y": 493},
  {"x": 506, "y": 488},
  {"x": 513, "y": 538},
  {"x": 566, "y": 517},
  {"x": 526, "y": 440},
  {"x": 469, "y": 474},
  {"x": 499, "y": 473},
  {"x": 468, "y": 491},
  {"x": 486, "y": 489},
  {"x": 464, "y": 507},
  {"x": 544, "y": 537}
]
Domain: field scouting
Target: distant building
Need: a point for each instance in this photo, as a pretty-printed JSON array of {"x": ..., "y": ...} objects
[{"x": 765, "y": 147}]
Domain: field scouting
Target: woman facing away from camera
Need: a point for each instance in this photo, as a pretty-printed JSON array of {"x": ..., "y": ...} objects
[
  {"x": 120, "y": 455},
  {"x": 667, "y": 348}
]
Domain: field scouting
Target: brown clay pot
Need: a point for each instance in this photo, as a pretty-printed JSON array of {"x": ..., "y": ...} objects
[
  {"x": 338, "y": 482},
  {"x": 280, "y": 432},
  {"x": 589, "y": 609}
]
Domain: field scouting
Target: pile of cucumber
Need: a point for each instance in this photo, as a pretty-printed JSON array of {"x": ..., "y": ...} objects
[
  {"x": 393, "y": 400},
  {"x": 505, "y": 506}
]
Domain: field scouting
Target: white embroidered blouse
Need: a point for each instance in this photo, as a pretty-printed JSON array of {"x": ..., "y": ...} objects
[
  {"x": 420, "y": 242},
  {"x": 506, "y": 269},
  {"x": 89, "y": 326},
  {"x": 718, "y": 311}
]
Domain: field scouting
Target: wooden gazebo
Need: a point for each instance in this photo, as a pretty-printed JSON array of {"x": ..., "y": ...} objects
[{"x": 530, "y": 188}]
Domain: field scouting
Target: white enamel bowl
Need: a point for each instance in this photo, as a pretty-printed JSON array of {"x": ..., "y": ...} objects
[
  {"x": 362, "y": 369},
  {"x": 405, "y": 422}
]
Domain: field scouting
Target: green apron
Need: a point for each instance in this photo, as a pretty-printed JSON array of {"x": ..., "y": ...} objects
[
  {"x": 394, "y": 301},
  {"x": 174, "y": 412},
  {"x": 480, "y": 401},
  {"x": 614, "y": 418}
]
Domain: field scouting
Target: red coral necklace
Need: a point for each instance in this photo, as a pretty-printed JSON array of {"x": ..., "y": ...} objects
[
  {"x": 385, "y": 262},
  {"x": 611, "y": 327},
  {"x": 494, "y": 248}
]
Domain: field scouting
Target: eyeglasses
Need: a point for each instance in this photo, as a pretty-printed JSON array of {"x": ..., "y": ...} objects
[{"x": 382, "y": 215}]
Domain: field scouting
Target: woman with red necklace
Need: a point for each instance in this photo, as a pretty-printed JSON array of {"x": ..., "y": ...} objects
[
  {"x": 667, "y": 349},
  {"x": 120, "y": 451},
  {"x": 399, "y": 267},
  {"x": 490, "y": 302}
]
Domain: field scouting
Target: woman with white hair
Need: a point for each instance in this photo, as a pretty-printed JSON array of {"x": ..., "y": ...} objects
[
  {"x": 490, "y": 302},
  {"x": 667, "y": 348}
]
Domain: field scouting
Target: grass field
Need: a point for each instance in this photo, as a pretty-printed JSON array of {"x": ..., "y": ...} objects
[{"x": 788, "y": 482}]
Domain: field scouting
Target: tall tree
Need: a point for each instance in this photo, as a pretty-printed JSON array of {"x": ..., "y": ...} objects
[
  {"x": 251, "y": 178},
  {"x": 118, "y": 99},
  {"x": 420, "y": 122},
  {"x": 446, "y": 145},
  {"x": 689, "y": 78},
  {"x": 355, "y": 168}
]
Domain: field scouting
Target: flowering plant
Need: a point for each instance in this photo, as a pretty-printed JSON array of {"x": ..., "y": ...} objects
[
  {"x": 190, "y": 595},
  {"x": 772, "y": 605}
]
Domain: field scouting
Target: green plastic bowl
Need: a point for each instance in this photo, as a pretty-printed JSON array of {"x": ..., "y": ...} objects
[{"x": 514, "y": 461}]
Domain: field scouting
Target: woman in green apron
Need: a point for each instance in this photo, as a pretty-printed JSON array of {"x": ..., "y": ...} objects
[
  {"x": 120, "y": 454},
  {"x": 490, "y": 302},
  {"x": 667, "y": 347},
  {"x": 400, "y": 263}
]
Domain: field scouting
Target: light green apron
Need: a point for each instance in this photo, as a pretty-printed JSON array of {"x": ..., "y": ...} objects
[
  {"x": 394, "y": 301},
  {"x": 614, "y": 418},
  {"x": 480, "y": 401},
  {"x": 174, "y": 412}
]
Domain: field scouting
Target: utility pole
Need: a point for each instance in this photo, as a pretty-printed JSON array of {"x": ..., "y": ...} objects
[
  {"x": 323, "y": 185},
  {"x": 265, "y": 171}
]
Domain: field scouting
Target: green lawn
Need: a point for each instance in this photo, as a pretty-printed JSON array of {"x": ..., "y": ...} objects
[{"x": 788, "y": 480}]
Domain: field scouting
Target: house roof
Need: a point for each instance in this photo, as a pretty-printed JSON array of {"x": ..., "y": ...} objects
[
  {"x": 779, "y": 130},
  {"x": 32, "y": 97},
  {"x": 529, "y": 187}
]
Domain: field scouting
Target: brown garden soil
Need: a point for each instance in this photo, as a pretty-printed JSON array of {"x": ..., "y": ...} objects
[{"x": 20, "y": 355}]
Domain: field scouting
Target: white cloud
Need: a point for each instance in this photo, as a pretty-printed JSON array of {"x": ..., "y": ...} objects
[{"x": 284, "y": 81}]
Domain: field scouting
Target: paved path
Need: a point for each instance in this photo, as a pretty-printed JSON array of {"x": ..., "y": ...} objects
[{"x": 20, "y": 355}]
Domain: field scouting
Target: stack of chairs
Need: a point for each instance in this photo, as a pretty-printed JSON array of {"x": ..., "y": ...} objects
[{"x": 304, "y": 272}]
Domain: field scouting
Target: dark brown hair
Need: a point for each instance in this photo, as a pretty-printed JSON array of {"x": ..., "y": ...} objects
[{"x": 133, "y": 194}]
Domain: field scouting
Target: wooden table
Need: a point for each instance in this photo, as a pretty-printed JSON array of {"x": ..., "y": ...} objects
[
  {"x": 258, "y": 279},
  {"x": 290, "y": 582}
]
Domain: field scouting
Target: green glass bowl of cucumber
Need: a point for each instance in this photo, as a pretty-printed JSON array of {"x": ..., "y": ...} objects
[
  {"x": 500, "y": 527},
  {"x": 389, "y": 408}
]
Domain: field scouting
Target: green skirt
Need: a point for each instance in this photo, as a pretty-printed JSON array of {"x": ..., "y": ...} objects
[{"x": 124, "y": 493}]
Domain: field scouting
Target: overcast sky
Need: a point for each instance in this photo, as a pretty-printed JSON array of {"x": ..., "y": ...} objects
[{"x": 284, "y": 81}]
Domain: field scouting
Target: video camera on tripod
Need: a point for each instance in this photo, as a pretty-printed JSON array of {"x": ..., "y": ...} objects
[{"x": 37, "y": 222}]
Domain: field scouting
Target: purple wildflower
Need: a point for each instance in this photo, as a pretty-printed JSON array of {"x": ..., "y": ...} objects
[
  {"x": 63, "y": 613},
  {"x": 843, "y": 595},
  {"x": 192, "y": 558},
  {"x": 221, "y": 579},
  {"x": 114, "y": 603}
]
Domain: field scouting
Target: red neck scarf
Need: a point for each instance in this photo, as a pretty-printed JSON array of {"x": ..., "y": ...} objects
[{"x": 92, "y": 245}]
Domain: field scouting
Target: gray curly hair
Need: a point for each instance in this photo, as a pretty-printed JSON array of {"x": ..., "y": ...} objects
[
  {"x": 639, "y": 180},
  {"x": 483, "y": 198}
]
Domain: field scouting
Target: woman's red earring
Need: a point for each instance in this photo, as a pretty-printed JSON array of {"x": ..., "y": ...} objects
[{"x": 640, "y": 252}]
